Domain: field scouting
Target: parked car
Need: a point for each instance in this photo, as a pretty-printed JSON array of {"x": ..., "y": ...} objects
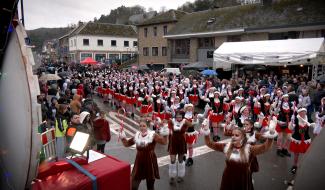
[{"x": 171, "y": 71}]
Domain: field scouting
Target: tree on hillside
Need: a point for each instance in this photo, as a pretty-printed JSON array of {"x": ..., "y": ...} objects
[
  {"x": 201, "y": 5},
  {"x": 121, "y": 15}
]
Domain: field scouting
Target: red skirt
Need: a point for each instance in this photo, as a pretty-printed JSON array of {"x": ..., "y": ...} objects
[
  {"x": 100, "y": 90},
  {"x": 191, "y": 137},
  {"x": 299, "y": 148},
  {"x": 282, "y": 130},
  {"x": 160, "y": 115},
  {"x": 265, "y": 122},
  {"x": 130, "y": 100},
  {"x": 216, "y": 118},
  {"x": 146, "y": 109},
  {"x": 167, "y": 116},
  {"x": 194, "y": 99},
  {"x": 257, "y": 110}
]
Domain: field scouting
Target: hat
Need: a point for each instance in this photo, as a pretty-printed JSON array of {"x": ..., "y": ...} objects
[
  {"x": 285, "y": 96},
  {"x": 217, "y": 92},
  {"x": 238, "y": 98},
  {"x": 301, "y": 109},
  {"x": 188, "y": 105},
  {"x": 83, "y": 115},
  {"x": 267, "y": 94},
  {"x": 242, "y": 109}
]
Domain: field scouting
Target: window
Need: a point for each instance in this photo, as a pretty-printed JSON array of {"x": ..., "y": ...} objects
[
  {"x": 235, "y": 38},
  {"x": 145, "y": 32},
  {"x": 85, "y": 55},
  {"x": 126, "y": 57},
  {"x": 165, "y": 30},
  {"x": 135, "y": 43},
  {"x": 164, "y": 51},
  {"x": 206, "y": 42},
  {"x": 114, "y": 57},
  {"x": 113, "y": 42},
  {"x": 126, "y": 43},
  {"x": 100, "y": 57},
  {"x": 284, "y": 35},
  {"x": 100, "y": 43},
  {"x": 155, "y": 31},
  {"x": 182, "y": 47},
  {"x": 209, "y": 54},
  {"x": 86, "y": 42},
  {"x": 145, "y": 51},
  {"x": 154, "y": 51}
]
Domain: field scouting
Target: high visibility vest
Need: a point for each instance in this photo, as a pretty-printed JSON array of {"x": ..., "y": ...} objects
[{"x": 59, "y": 133}]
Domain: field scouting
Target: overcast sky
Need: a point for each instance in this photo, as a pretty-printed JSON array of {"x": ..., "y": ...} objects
[{"x": 60, "y": 13}]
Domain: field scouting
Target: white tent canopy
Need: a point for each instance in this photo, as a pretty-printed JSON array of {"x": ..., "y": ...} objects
[{"x": 269, "y": 52}]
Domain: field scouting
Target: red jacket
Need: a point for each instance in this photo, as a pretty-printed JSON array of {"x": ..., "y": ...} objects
[{"x": 102, "y": 130}]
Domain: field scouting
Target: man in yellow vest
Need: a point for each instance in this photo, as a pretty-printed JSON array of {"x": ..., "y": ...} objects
[{"x": 61, "y": 125}]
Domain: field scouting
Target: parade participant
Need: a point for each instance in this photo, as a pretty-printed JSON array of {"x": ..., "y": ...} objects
[
  {"x": 244, "y": 114},
  {"x": 177, "y": 146},
  {"x": 146, "y": 107},
  {"x": 101, "y": 131},
  {"x": 191, "y": 138},
  {"x": 284, "y": 132},
  {"x": 130, "y": 100},
  {"x": 320, "y": 118},
  {"x": 229, "y": 93},
  {"x": 215, "y": 114},
  {"x": 158, "y": 108},
  {"x": 193, "y": 94},
  {"x": 239, "y": 154},
  {"x": 252, "y": 138},
  {"x": 300, "y": 140},
  {"x": 236, "y": 105},
  {"x": 145, "y": 164}
]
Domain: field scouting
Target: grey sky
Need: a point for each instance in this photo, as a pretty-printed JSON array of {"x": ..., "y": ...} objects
[{"x": 60, "y": 13}]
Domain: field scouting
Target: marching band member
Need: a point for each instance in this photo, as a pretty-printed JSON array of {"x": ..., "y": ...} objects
[
  {"x": 300, "y": 140},
  {"x": 145, "y": 165},
  {"x": 177, "y": 146},
  {"x": 239, "y": 154},
  {"x": 284, "y": 132}
]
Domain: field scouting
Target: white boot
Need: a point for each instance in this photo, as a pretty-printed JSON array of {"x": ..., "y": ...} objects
[
  {"x": 181, "y": 171},
  {"x": 172, "y": 172}
]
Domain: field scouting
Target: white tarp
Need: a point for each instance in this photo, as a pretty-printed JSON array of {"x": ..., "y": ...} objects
[{"x": 270, "y": 52}]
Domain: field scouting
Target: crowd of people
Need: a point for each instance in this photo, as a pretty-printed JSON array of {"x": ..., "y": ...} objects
[{"x": 176, "y": 110}]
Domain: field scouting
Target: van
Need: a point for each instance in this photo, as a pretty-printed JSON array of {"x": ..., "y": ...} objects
[{"x": 175, "y": 71}]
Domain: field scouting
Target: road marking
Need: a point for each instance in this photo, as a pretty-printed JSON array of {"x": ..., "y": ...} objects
[
  {"x": 198, "y": 151},
  {"x": 111, "y": 114}
]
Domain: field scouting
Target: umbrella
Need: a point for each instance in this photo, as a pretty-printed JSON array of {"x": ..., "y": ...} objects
[
  {"x": 134, "y": 67},
  {"x": 47, "y": 77},
  {"x": 64, "y": 74},
  {"x": 88, "y": 61},
  {"x": 209, "y": 72}
]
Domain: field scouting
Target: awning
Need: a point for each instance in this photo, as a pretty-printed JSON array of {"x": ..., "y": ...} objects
[{"x": 269, "y": 52}]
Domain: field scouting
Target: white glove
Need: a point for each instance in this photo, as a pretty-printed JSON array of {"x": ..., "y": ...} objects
[
  {"x": 205, "y": 127},
  {"x": 164, "y": 131},
  {"x": 273, "y": 124},
  {"x": 122, "y": 134},
  {"x": 261, "y": 116},
  {"x": 313, "y": 125}
]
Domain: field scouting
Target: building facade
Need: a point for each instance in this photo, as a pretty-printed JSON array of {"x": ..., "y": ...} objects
[
  {"x": 117, "y": 43},
  {"x": 153, "y": 47},
  {"x": 195, "y": 36}
]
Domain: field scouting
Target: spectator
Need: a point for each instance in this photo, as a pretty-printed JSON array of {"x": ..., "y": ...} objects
[{"x": 101, "y": 131}]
